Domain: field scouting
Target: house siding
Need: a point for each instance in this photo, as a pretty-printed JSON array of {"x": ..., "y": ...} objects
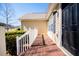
[
  {"x": 55, "y": 19},
  {"x": 41, "y": 25}
]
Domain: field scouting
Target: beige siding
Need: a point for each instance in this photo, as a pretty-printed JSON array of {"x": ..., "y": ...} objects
[
  {"x": 41, "y": 25},
  {"x": 57, "y": 35},
  {"x": 58, "y": 26},
  {"x": 2, "y": 42}
]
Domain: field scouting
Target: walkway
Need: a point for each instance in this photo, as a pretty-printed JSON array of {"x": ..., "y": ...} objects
[{"x": 38, "y": 49}]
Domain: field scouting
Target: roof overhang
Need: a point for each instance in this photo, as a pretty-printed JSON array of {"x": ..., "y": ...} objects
[
  {"x": 34, "y": 17},
  {"x": 51, "y": 8}
]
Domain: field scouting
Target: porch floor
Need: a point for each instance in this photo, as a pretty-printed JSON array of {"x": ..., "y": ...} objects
[{"x": 38, "y": 49}]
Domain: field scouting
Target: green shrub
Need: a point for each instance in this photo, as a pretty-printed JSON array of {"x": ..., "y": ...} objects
[
  {"x": 11, "y": 41},
  {"x": 15, "y": 33}
]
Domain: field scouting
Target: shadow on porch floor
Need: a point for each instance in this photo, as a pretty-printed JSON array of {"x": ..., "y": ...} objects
[{"x": 38, "y": 49}]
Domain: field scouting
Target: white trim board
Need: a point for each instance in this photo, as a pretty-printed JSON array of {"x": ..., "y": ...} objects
[{"x": 65, "y": 51}]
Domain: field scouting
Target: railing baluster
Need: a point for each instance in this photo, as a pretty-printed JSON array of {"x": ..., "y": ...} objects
[
  {"x": 19, "y": 46},
  {"x": 28, "y": 41},
  {"x": 23, "y": 44},
  {"x": 17, "y": 41}
]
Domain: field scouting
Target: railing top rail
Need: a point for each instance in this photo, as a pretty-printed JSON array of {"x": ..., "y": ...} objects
[{"x": 23, "y": 35}]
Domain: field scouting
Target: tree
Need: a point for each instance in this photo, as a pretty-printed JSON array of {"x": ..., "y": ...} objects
[{"x": 6, "y": 12}]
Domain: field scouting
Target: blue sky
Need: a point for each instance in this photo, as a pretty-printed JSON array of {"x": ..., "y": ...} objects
[{"x": 25, "y": 8}]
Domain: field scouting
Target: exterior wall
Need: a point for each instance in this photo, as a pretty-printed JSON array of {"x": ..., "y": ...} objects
[
  {"x": 41, "y": 25},
  {"x": 57, "y": 35},
  {"x": 2, "y": 42}
]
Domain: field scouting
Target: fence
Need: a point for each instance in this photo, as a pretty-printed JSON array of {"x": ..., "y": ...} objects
[{"x": 2, "y": 41}]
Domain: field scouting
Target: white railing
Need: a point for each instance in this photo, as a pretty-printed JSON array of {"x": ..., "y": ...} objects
[{"x": 25, "y": 41}]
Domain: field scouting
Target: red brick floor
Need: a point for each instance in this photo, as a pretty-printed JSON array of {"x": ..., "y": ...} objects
[{"x": 38, "y": 49}]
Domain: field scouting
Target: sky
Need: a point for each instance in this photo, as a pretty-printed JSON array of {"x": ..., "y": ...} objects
[{"x": 19, "y": 9}]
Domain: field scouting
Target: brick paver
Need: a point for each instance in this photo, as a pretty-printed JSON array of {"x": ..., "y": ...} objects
[{"x": 38, "y": 49}]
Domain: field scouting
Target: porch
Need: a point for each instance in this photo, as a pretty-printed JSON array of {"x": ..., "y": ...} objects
[{"x": 44, "y": 47}]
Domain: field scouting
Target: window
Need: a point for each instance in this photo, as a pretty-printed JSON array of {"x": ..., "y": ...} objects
[{"x": 54, "y": 21}]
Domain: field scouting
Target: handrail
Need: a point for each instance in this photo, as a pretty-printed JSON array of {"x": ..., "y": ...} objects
[{"x": 25, "y": 41}]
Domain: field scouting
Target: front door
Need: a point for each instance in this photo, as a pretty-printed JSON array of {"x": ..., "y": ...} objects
[{"x": 70, "y": 37}]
